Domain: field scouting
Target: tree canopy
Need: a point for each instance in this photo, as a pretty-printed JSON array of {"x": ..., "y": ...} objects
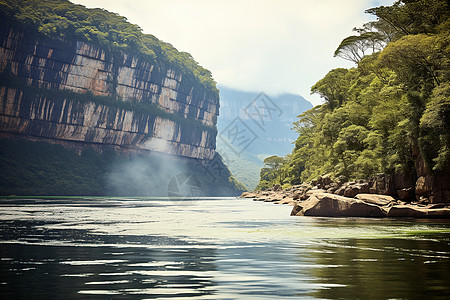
[{"x": 390, "y": 113}]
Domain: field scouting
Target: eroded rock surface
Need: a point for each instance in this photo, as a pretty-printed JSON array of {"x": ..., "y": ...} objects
[
  {"x": 177, "y": 114},
  {"x": 315, "y": 199},
  {"x": 330, "y": 205}
]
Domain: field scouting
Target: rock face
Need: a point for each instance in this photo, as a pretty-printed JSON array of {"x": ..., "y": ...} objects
[
  {"x": 184, "y": 111},
  {"x": 329, "y": 205},
  {"x": 352, "y": 189},
  {"x": 406, "y": 211},
  {"x": 317, "y": 199},
  {"x": 379, "y": 200}
]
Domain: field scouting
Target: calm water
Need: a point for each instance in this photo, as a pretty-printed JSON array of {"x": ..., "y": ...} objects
[{"x": 145, "y": 248}]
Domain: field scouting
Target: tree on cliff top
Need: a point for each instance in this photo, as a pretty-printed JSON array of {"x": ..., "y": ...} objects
[{"x": 62, "y": 19}]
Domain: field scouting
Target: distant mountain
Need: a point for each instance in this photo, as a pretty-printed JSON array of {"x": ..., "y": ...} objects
[{"x": 252, "y": 126}]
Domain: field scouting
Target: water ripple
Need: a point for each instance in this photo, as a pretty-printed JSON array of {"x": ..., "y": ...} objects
[{"x": 214, "y": 249}]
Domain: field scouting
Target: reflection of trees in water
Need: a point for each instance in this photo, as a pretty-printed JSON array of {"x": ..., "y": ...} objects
[
  {"x": 381, "y": 269},
  {"x": 54, "y": 272}
]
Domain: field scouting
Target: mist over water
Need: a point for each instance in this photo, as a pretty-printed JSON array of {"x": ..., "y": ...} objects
[
  {"x": 144, "y": 175},
  {"x": 150, "y": 174},
  {"x": 162, "y": 175}
]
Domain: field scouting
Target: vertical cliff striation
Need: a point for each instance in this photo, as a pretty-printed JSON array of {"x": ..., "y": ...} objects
[
  {"x": 88, "y": 79},
  {"x": 128, "y": 102}
]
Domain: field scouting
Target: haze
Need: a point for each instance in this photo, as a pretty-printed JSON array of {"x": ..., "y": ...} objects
[{"x": 272, "y": 46}]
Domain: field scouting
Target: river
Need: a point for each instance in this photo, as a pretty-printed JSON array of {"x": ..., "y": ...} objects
[{"x": 212, "y": 248}]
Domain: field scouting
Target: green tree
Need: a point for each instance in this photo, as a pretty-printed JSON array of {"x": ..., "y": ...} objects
[
  {"x": 333, "y": 88},
  {"x": 355, "y": 47},
  {"x": 434, "y": 126}
]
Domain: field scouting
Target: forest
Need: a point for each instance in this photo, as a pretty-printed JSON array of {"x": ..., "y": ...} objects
[{"x": 389, "y": 114}]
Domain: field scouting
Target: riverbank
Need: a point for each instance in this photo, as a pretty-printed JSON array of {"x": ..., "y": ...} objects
[{"x": 351, "y": 199}]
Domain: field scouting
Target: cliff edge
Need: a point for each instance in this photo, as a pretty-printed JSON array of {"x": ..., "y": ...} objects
[{"x": 128, "y": 92}]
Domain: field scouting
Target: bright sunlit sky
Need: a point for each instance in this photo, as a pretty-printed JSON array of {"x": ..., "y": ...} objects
[{"x": 274, "y": 46}]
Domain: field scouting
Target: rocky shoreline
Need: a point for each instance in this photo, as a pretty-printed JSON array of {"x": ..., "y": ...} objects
[{"x": 326, "y": 198}]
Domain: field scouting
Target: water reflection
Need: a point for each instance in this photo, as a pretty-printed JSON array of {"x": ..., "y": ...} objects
[
  {"x": 65, "y": 272},
  {"x": 382, "y": 269},
  {"x": 102, "y": 248}
]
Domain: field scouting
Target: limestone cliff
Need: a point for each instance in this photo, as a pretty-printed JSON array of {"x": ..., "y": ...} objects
[{"x": 72, "y": 91}]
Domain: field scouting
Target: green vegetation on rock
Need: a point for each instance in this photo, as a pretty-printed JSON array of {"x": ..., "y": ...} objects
[
  {"x": 389, "y": 114},
  {"x": 64, "y": 20}
]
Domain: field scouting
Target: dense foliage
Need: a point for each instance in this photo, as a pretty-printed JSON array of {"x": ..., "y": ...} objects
[
  {"x": 388, "y": 114},
  {"x": 64, "y": 20}
]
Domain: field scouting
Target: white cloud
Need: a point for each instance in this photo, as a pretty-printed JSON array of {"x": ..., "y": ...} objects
[{"x": 274, "y": 46}]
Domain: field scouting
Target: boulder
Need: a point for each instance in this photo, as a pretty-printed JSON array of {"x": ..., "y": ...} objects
[
  {"x": 333, "y": 187},
  {"x": 351, "y": 189},
  {"x": 406, "y": 193},
  {"x": 437, "y": 205},
  {"x": 288, "y": 201},
  {"x": 249, "y": 195},
  {"x": 296, "y": 195},
  {"x": 424, "y": 185},
  {"x": 403, "y": 211},
  {"x": 259, "y": 198},
  {"x": 326, "y": 179},
  {"x": 323, "y": 181},
  {"x": 355, "y": 189},
  {"x": 438, "y": 213},
  {"x": 314, "y": 191},
  {"x": 330, "y": 205},
  {"x": 380, "y": 200},
  {"x": 340, "y": 191},
  {"x": 270, "y": 199},
  {"x": 296, "y": 209},
  {"x": 422, "y": 200},
  {"x": 412, "y": 211},
  {"x": 275, "y": 197}
]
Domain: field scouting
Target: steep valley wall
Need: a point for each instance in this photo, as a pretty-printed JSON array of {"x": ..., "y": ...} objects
[{"x": 74, "y": 92}]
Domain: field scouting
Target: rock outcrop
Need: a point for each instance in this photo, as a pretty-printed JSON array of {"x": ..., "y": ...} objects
[
  {"x": 74, "y": 92},
  {"x": 350, "y": 199},
  {"x": 380, "y": 200},
  {"x": 330, "y": 205}
]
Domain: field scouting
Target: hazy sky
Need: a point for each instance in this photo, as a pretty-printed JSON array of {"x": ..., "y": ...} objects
[{"x": 275, "y": 46}]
